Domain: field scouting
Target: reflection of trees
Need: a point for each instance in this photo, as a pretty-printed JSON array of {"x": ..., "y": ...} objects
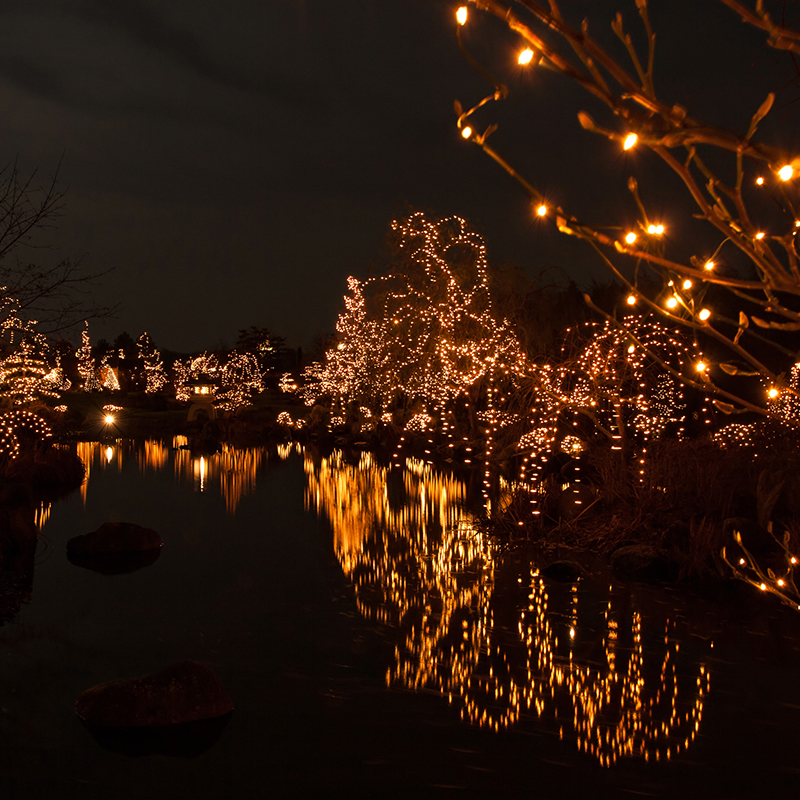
[
  {"x": 231, "y": 470},
  {"x": 418, "y": 564}
]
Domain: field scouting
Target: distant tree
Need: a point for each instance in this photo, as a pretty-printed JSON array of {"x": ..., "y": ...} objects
[
  {"x": 102, "y": 349},
  {"x": 55, "y": 295},
  {"x": 86, "y": 363},
  {"x": 125, "y": 360},
  {"x": 262, "y": 343},
  {"x": 150, "y": 357}
]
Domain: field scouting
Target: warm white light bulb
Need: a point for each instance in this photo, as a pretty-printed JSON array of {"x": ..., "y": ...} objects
[
  {"x": 760, "y": 235},
  {"x": 630, "y": 141},
  {"x": 542, "y": 210},
  {"x": 709, "y": 265},
  {"x": 109, "y": 419},
  {"x": 687, "y": 284},
  {"x": 525, "y": 57},
  {"x": 700, "y": 366},
  {"x": 772, "y": 393},
  {"x": 760, "y": 181},
  {"x": 630, "y": 238},
  {"x": 466, "y": 131},
  {"x": 461, "y": 15},
  {"x": 672, "y": 302},
  {"x": 704, "y": 314},
  {"x": 786, "y": 173},
  {"x": 631, "y": 299}
]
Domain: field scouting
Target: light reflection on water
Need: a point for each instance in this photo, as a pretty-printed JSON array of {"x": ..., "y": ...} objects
[
  {"x": 424, "y": 568},
  {"x": 487, "y": 632},
  {"x": 232, "y": 471}
]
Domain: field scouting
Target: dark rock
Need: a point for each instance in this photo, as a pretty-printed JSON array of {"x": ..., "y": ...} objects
[
  {"x": 182, "y": 692},
  {"x": 563, "y": 571},
  {"x": 642, "y": 563},
  {"x": 114, "y": 563},
  {"x": 115, "y": 537},
  {"x": 183, "y": 740}
]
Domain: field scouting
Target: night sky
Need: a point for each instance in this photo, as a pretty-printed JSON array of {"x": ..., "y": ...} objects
[{"x": 233, "y": 162}]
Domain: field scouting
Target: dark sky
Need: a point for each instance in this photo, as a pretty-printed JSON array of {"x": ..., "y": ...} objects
[{"x": 233, "y": 162}]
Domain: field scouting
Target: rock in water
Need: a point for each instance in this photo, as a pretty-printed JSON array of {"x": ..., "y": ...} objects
[
  {"x": 563, "y": 571},
  {"x": 115, "y": 537},
  {"x": 182, "y": 692}
]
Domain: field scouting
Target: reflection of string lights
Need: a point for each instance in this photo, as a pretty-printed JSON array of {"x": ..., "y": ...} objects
[
  {"x": 436, "y": 585},
  {"x": 233, "y": 469}
]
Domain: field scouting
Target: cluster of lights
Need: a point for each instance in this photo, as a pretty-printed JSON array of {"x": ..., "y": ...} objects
[
  {"x": 414, "y": 347},
  {"x": 434, "y": 337},
  {"x": 241, "y": 380},
  {"x": 779, "y": 582},
  {"x": 205, "y": 367},
  {"x": 108, "y": 376},
  {"x": 86, "y": 365},
  {"x": 155, "y": 374},
  {"x": 25, "y": 377},
  {"x": 20, "y": 422},
  {"x": 287, "y": 383}
]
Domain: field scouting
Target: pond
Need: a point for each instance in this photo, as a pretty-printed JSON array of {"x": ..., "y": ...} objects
[{"x": 375, "y": 642}]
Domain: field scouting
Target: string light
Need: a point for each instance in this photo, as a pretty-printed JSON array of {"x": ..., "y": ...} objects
[
  {"x": 704, "y": 314},
  {"x": 709, "y": 265},
  {"x": 525, "y": 57},
  {"x": 760, "y": 181},
  {"x": 672, "y": 302},
  {"x": 760, "y": 235},
  {"x": 630, "y": 141},
  {"x": 466, "y": 132},
  {"x": 786, "y": 173},
  {"x": 461, "y": 15},
  {"x": 630, "y": 238},
  {"x": 541, "y": 210}
]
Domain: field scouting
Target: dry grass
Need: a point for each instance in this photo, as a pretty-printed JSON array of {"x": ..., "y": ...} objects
[{"x": 677, "y": 505}]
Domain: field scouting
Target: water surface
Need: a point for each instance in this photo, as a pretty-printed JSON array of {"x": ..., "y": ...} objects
[{"x": 375, "y": 642}]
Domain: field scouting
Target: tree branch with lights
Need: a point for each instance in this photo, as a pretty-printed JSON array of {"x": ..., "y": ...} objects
[{"x": 759, "y": 341}]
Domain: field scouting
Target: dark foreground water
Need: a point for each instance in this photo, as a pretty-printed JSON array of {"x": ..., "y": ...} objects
[{"x": 375, "y": 644}]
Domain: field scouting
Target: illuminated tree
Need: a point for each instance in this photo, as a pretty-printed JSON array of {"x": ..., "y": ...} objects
[
  {"x": 25, "y": 376},
  {"x": 206, "y": 366},
  {"x": 86, "y": 366},
  {"x": 722, "y": 171},
  {"x": 426, "y": 332},
  {"x": 261, "y": 343},
  {"x": 241, "y": 381},
  {"x": 155, "y": 375}
]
